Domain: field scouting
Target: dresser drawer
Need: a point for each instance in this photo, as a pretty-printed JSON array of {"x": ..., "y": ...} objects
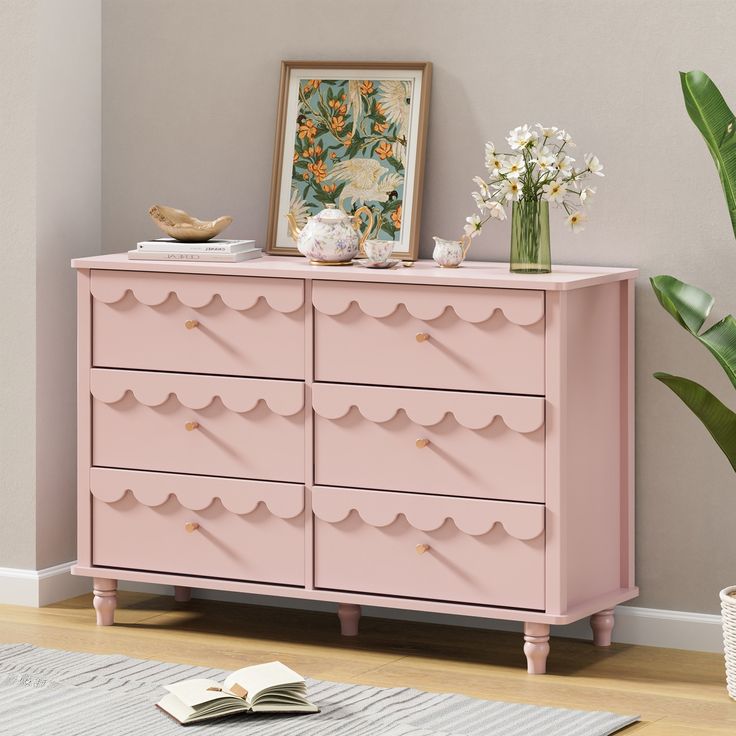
[
  {"x": 234, "y": 325},
  {"x": 209, "y": 425},
  {"x": 454, "y": 443},
  {"x": 214, "y": 527},
  {"x": 454, "y": 549},
  {"x": 430, "y": 336}
]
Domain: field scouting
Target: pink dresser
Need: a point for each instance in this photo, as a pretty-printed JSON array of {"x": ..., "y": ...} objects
[{"x": 457, "y": 441}]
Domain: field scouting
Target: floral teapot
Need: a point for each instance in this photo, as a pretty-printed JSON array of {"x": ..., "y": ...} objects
[{"x": 331, "y": 237}]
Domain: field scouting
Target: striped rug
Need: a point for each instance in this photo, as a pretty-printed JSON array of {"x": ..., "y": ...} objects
[{"x": 46, "y": 692}]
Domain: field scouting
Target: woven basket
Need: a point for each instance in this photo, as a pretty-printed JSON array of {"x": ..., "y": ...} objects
[{"x": 728, "y": 611}]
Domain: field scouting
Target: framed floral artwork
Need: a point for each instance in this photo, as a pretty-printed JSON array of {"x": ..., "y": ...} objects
[{"x": 351, "y": 134}]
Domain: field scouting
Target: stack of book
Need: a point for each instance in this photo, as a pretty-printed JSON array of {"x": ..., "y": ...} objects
[{"x": 168, "y": 249}]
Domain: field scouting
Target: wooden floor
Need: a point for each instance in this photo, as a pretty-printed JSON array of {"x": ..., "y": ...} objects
[{"x": 677, "y": 693}]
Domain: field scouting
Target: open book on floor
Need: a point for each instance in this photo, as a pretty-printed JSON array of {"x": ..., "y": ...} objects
[{"x": 262, "y": 688}]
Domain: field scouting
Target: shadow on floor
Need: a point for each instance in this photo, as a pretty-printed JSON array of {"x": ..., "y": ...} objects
[{"x": 449, "y": 643}]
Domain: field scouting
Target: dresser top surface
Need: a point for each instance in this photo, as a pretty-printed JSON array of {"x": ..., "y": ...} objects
[{"x": 471, "y": 273}]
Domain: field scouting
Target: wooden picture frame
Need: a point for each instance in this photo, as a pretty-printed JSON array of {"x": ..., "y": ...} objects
[{"x": 332, "y": 113}]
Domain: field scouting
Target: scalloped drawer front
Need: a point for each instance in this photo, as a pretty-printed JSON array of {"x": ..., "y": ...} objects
[
  {"x": 430, "y": 336},
  {"x": 214, "y": 527},
  {"x": 455, "y": 443},
  {"x": 196, "y": 323},
  {"x": 462, "y": 550},
  {"x": 209, "y": 425}
]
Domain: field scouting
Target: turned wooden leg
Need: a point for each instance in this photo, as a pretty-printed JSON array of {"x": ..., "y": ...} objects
[
  {"x": 105, "y": 600},
  {"x": 536, "y": 647},
  {"x": 182, "y": 594},
  {"x": 602, "y": 625},
  {"x": 349, "y": 615}
]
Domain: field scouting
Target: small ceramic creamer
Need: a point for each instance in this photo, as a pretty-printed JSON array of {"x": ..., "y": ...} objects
[
  {"x": 331, "y": 237},
  {"x": 450, "y": 253}
]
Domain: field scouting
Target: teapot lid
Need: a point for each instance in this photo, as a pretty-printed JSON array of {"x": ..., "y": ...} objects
[{"x": 331, "y": 213}]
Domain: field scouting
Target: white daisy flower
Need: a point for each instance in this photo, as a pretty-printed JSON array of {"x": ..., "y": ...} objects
[
  {"x": 594, "y": 165},
  {"x": 564, "y": 163},
  {"x": 586, "y": 192},
  {"x": 546, "y": 160},
  {"x": 473, "y": 226},
  {"x": 547, "y": 132},
  {"x": 513, "y": 168},
  {"x": 509, "y": 189},
  {"x": 481, "y": 184},
  {"x": 555, "y": 191},
  {"x": 496, "y": 210},
  {"x": 566, "y": 138},
  {"x": 480, "y": 201},
  {"x": 494, "y": 164},
  {"x": 521, "y": 137},
  {"x": 576, "y": 221}
]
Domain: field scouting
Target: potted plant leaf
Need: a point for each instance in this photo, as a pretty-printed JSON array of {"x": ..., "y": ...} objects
[{"x": 691, "y": 306}]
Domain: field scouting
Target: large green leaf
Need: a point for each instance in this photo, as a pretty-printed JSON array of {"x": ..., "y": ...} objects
[
  {"x": 713, "y": 118},
  {"x": 718, "y": 419},
  {"x": 690, "y": 306}
]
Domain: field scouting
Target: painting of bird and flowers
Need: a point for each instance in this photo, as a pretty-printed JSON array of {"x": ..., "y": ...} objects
[{"x": 351, "y": 143}]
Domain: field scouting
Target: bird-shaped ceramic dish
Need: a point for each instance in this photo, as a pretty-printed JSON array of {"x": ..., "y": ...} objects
[{"x": 179, "y": 225}]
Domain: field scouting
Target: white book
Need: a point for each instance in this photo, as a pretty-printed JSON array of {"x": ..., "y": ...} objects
[
  {"x": 163, "y": 245},
  {"x": 262, "y": 688},
  {"x": 243, "y": 255}
]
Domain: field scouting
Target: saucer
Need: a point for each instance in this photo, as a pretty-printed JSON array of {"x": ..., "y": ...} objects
[{"x": 390, "y": 263}]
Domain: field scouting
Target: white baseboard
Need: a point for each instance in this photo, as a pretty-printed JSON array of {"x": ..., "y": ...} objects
[
  {"x": 651, "y": 627},
  {"x": 658, "y": 627},
  {"x": 20, "y": 587}
]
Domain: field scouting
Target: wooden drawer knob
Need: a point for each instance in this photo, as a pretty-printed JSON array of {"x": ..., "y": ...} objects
[
  {"x": 191, "y": 526},
  {"x": 422, "y": 548},
  {"x": 190, "y": 324},
  {"x": 422, "y": 337},
  {"x": 191, "y": 426},
  {"x": 422, "y": 442}
]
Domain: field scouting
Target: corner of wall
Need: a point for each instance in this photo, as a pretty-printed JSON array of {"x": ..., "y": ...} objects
[
  {"x": 68, "y": 225},
  {"x": 50, "y": 204}
]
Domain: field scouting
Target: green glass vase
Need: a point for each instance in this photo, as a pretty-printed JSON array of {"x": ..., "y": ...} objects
[{"x": 530, "y": 237}]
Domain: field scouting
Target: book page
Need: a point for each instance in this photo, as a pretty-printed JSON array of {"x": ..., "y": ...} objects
[
  {"x": 303, "y": 707},
  {"x": 195, "y": 692},
  {"x": 172, "y": 705},
  {"x": 206, "y": 711},
  {"x": 260, "y": 677}
]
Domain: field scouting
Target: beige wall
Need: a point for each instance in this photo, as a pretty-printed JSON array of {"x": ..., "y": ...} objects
[
  {"x": 68, "y": 225},
  {"x": 50, "y": 209},
  {"x": 18, "y": 54},
  {"x": 189, "y": 99}
]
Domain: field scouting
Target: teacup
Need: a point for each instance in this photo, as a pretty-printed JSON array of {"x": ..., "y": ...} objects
[
  {"x": 378, "y": 251},
  {"x": 450, "y": 253}
]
